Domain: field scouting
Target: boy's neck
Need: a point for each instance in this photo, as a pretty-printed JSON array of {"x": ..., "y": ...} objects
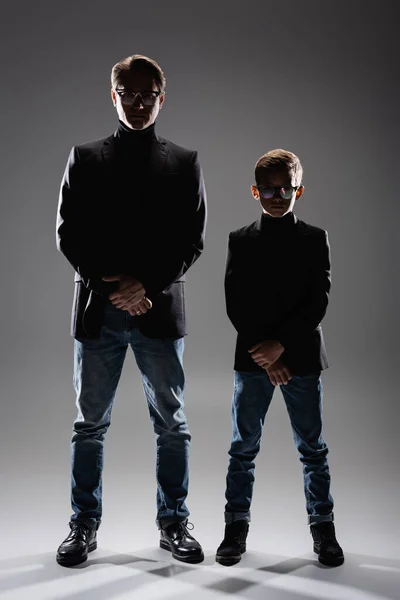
[
  {"x": 289, "y": 217},
  {"x": 277, "y": 224}
]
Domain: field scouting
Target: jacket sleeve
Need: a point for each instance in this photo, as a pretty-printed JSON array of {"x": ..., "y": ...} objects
[
  {"x": 70, "y": 235},
  {"x": 232, "y": 285},
  {"x": 237, "y": 296},
  {"x": 306, "y": 318},
  {"x": 173, "y": 264}
]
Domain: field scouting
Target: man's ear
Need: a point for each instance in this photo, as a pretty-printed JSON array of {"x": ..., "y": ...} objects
[
  {"x": 113, "y": 97},
  {"x": 299, "y": 192},
  {"x": 254, "y": 191},
  {"x": 162, "y": 98}
]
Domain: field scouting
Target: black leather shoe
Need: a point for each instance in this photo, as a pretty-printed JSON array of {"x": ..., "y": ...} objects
[
  {"x": 81, "y": 540},
  {"x": 234, "y": 543},
  {"x": 326, "y": 545},
  {"x": 177, "y": 539}
]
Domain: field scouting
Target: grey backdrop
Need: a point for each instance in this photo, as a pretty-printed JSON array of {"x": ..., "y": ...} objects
[{"x": 317, "y": 78}]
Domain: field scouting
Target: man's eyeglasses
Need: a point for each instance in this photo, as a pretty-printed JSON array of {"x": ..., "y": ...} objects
[
  {"x": 147, "y": 98},
  {"x": 285, "y": 191}
]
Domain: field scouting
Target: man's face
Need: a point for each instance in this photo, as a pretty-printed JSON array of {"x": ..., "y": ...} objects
[
  {"x": 142, "y": 111},
  {"x": 272, "y": 202}
]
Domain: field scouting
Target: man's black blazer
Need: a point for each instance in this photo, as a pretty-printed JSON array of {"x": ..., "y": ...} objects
[
  {"x": 277, "y": 283},
  {"x": 148, "y": 223}
]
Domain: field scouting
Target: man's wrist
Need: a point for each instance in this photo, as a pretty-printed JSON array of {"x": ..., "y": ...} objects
[{"x": 279, "y": 345}]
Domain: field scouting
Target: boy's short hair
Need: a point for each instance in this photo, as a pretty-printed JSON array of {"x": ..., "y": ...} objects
[
  {"x": 280, "y": 160},
  {"x": 139, "y": 62}
]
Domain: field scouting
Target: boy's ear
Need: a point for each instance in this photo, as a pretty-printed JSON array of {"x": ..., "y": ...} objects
[
  {"x": 299, "y": 192},
  {"x": 255, "y": 192}
]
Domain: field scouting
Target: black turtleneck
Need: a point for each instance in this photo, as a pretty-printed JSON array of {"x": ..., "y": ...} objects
[
  {"x": 277, "y": 225},
  {"x": 134, "y": 148},
  {"x": 135, "y": 138},
  {"x": 130, "y": 178}
]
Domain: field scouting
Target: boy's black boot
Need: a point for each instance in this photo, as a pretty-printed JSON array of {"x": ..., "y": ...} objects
[
  {"x": 326, "y": 545},
  {"x": 81, "y": 540},
  {"x": 234, "y": 543}
]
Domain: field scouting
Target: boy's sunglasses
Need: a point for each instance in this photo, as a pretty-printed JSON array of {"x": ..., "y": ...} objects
[{"x": 268, "y": 191}]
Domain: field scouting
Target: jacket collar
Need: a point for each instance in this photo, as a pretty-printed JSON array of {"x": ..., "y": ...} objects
[
  {"x": 255, "y": 229},
  {"x": 159, "y": 152}
]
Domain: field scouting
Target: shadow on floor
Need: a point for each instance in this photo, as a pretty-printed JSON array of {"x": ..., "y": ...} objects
[{"x": 152, "y": 572}]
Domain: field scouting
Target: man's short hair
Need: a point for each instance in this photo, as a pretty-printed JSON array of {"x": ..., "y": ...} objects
[
  {"x": 140, "y": 63},
  {"x": 280, "y": 160}
]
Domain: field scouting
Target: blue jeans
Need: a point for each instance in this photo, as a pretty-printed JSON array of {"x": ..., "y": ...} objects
[
  {"x": 251, "y": 399},
  {"x": 97, "y": 370}
]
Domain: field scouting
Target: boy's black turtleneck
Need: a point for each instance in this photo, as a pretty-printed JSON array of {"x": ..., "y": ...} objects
[{"x": 278, "y": 225}]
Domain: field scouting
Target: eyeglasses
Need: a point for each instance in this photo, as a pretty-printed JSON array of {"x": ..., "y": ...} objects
[
  {"x": 147, "y": 98},
  {"x": 268, "y": 191}
]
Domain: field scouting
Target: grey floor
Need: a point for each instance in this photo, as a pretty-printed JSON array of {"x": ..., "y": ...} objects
[
  {"x": 149, "y": 572},
  {"x": 279, "y": 564}
]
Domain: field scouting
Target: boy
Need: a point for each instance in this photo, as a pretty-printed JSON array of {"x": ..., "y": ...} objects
[{"x": 276, "y": 286}]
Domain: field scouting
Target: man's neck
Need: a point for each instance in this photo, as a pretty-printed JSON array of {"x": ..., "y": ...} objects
[{"x": 127, "y": 132}]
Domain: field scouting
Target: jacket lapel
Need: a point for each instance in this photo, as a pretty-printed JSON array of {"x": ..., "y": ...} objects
[
  {"x": 159, "y": 153},
  {"x": 108, "y": 150}
]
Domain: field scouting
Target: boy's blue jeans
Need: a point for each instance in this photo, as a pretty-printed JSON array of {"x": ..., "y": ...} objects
[
  {"x": 97, "y": 369},
  {"x": 251, "y": 399}
]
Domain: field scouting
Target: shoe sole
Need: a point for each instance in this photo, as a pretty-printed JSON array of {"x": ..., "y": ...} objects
[
  {"x": 227, "y": 562},
  {"x": 195, "y": 558},
  {"x": 71, "y": 561},
  {"x": 335, "y": 562}
]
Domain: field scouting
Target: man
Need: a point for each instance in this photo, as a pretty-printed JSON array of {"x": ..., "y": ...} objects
[{"x": 131, "y": 221}]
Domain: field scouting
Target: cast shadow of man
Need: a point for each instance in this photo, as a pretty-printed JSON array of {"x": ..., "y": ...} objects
[{"x": 108, "y": 575}]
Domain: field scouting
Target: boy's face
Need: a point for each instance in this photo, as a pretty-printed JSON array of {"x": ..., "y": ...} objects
[{"x": 276, "y": 206}]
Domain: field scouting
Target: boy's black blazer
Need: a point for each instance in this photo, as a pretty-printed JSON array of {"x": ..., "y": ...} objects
[
  {"x": 147, "y": 221},
  {"x": 277, "y": 283}
]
